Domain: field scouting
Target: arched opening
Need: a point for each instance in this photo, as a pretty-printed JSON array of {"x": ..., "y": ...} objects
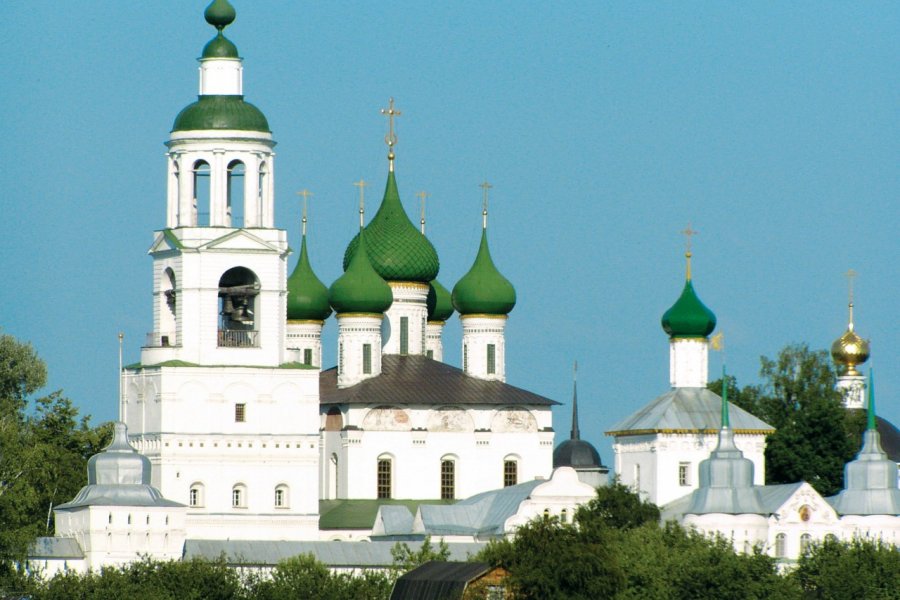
[
  {"x": 239, "y": 496},
  {"x": 385, "y": 477},
  {"x": 448, "y": 478},
  {"x": 805, "y": 542},
  {"x": 510, "y": 471},
  {"x": 234, "y": 209},
  {"x": 168, "y": 309},
  {"x": 196, "y": 495},
  {"x": 780, "y": 545},
  {"x": 238, "y": 291},
  {"x": 282, "y": 496},
  {"x": 201, "y": 192},
  {"x": 333, "y": 475},
  {"x": 261, "y": 194}
]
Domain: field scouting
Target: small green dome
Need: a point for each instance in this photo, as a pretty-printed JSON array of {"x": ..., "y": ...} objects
[
  {"x": 360, "y": 289},
  {"x": 483, "y": 290},
  {"x": 440, "y": 305},
  {"x": 688, "y": 317},
  {"x": 307, "y": 295},
  {"x": 220, "y": 47},
  {"x": 398, "y": 251},
  {"x": 220, "y": 14},
  {"x": 221, "y": 112}
]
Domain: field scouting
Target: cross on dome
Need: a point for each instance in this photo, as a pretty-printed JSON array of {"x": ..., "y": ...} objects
[
  {"x": 391, "y": 138},
  {"x": 688, "y": 233},
  {"x": 361, "y": 184},
  {"x": 306, "y": 194},
  {"x": 422, "y": 196},
  {"x": 484, "y": 202}
]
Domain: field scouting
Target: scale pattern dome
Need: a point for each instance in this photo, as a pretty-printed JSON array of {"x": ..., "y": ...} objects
[
  {"x": 440, "y": 305},
  {"x": 307, "y": 296},
  {"x": 850, "y": 350},
  {"x": 398, "y": 251},
  {"x": 360, "y": 289},
  {"x": 483, "y": 290},
  {"x": 688, "y": 317}
]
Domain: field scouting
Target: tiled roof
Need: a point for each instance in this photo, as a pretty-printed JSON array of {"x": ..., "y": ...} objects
[
  {"x": 421, "y": 380},
  {"x": 688, "y": 410}
]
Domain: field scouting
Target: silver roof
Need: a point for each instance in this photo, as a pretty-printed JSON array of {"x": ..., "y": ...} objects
[
  {"x": 726, "y": 481},
  {"x": 118, "y": 476},
  {"x": 334, "y": 554},
  {"x": 393, "y": 520},
  {"x": 770, "y": 498},
  {"x": 687, "y": 410},
  {"x": 870, "y": 482},
  {"x": 55, "y": 547}
]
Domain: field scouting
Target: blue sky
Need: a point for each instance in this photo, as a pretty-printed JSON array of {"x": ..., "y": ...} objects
[{"x": 604, "y": 128}]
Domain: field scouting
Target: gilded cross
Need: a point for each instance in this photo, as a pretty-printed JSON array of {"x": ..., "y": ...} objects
[
  {"x": 422, "y": 196},
  {"x": 850, "y": 275},
  {"x": 484, "y": 202},
  {"x": 306, "y": 194},
  {"x": 391, "y": 138},
  {"x": 361, "y": 184},
  {"x": 689, "y": 233}
]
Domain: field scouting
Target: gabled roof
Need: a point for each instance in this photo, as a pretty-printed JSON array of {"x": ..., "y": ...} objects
[
  {"x": 421, "y": 380},
  {"x": 482, "y": 514},
  {"x": 438, "y": 580},
  {"x": 360, "y": 514},
  {"x": 688, "y": 410}
]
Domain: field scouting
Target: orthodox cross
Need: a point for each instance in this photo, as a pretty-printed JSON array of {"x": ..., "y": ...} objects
[
  {"x": 850, "y": 275},
  {"x": 306, "y": 194},
  {"x": 689, "y": 233},
  {"x": 484, "y": 202},
  {"x": 361, "y": 184},
  {"x": 391, "y": 138},
  {"x": 422, "y": 196}
]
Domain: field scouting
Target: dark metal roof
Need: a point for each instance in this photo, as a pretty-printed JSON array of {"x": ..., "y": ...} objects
[
  {"x": 578, "y": 454},
  {"x": 438, "y": 580},
  {"x": 421, "y": 380},
  {"x": 890, "y": 438}
]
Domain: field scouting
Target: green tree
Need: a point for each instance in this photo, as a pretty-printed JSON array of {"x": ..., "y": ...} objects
[
  {"x": 618, "y": 507},
  {"x": 856, "y": 569},
  {"x": 407, "y": 559},
  {"x": 814, "y": 434}
]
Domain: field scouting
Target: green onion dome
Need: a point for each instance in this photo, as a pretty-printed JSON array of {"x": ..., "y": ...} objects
[
  {"x": 440, "y": 305},
  {"x": 221, "y": 112},
  {"x": 360, "y": 289},
  {"x": 397, "y": 249},
  {"x": 483, "y": 290},
  {"x": 307, "y": 296},
  {"x": 688, "y": 317}
]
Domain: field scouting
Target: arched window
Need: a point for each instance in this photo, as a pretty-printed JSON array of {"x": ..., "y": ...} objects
[
  {"x": 282, "y": 498},
  {"x": 385, "y": 477},
  {"x": 234, "y": 209},
  {"x": 196, "y": 495},
  {"x": 167, "y": 309},
  {"x": 201, "y": 194},
  {"x": 780, "y": 545},
  {"x": 448, "y": 478},
  {"x": 564, "y": 516},
  {"x": 238, "y": 291},
  {"x": 333, "y": 467},
  {"x": 510, "y": 471},
  {"x": 805, "y": 541},
  {"x": 239, "y": 496}
]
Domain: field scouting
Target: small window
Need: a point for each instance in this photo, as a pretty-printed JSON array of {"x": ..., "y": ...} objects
[
  {"x": 384, "y": 478},
  {"x": 281, "y": 496},
  {"x": 448, "y": 479},
  {"x": 238, "y": 496},
  {"x": 491, "y": 359},
  {"x": 684, "y": 474},
  {"x": 367, "y": 359},
  {"x": 805, "y": 541},
  {"x": 466, "y": 358},
  {"x": 564, "y": 516},
  {"x": 510, "y": 473},
  {"x": 637, "y": 478},
  {"x": 109, "y": 519},
  {"x": 240, "y": 413},
  {"x": 404, "y": 335},
  {"x": 340, "y": 358},
  {"x": 780, "y": 545},
  {"x": 129, "y": 519},
  {"x": 430, "y": 354},
  {"x": 195, "y": 496},
  {"x": 307, "y": 356}
]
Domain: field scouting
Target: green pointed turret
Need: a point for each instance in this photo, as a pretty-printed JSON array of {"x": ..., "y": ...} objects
[
  {"x": 360, "y": 289},
  {"x": 440, "y": 305},
  {"x": 483, "y": 290},
  {"x": 688, "y": 317},
  {"x": 397, "y": 249},
  {"x": 307, "y": 296}
]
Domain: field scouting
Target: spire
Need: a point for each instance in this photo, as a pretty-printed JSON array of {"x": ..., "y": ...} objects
[
  {"x": 725, "y": 421},
  {"x": 687, "y": 253},
  {"x": 391, "y": 138},
  {"x": 576, "y": 434}
]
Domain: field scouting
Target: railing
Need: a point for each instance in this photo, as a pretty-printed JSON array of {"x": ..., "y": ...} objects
[
  {"x": 161, "y": 339},
  {"x": 238, "y": 338}
]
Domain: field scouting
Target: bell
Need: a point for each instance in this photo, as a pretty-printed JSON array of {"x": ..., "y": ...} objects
[{"x": 227, "y": 306}]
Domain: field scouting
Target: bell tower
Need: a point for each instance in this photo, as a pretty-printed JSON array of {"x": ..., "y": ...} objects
[{"x": 227, "y": 417}]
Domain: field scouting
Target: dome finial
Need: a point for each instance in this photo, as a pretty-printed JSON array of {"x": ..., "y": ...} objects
[
  {"x": 851, "y": 275},
  {"x": 220, "y": 14},
  {"x": 422, "y": 196},
  {"x": 391, "y": 138},
  {"x": 361, "y": 184},
  {"x": 576, "y": 434},
  {"x": 687, "y": 254},
  {"x": 306, "y": 194},
  {"x": 484, "y": 203},
  {"x": 850, "y": 350}
]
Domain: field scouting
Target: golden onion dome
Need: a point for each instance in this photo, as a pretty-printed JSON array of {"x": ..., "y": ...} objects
[{"x": 850, "y": 350}]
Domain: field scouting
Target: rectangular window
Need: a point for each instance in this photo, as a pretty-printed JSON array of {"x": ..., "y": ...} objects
[
  {"x": 430, "y": 354},
  {"x": 510, "y": 473},
  {"x": 240, "y": 413},
  {"x": 684, "y": 474},
  {"x": 367, "y": 359},
  {"x": 448, "y": 480},
  {"x": 307, "y": 356},
  {"x": 340, "y": 358},
  {"x": 237, "y": 498},
  {"x": 466, "y": 358},
  {"x": 404, "y": 335},
  {"x": 195, "y": 497},
  {"x": 491, "y": 359},
  {"x": 279, "y": 498},
  {"x": 384, "y": 478}
]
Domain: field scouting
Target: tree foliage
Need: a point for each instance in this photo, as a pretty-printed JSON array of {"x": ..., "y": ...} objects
[
  {"x": 834, "y": 570},
  {"x": 407, "y": 559},
  {"x": 815, "y": 436}
]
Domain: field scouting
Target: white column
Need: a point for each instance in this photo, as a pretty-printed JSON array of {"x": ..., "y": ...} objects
[
  {"x": 302, "y": 336},
  {"x": 688, "y": 362},
  {"x": 218, "y": 189},
  {"x": 173, "y": 171},
  {"x": 409, "y": 303},
  {"x": 433, "y": 340},
  {"x": 484, "y": 346},
  {"x": 251, "y": 191},
  {"x": 187, "y": 217},
  {"x": 355, "y": 332}
]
